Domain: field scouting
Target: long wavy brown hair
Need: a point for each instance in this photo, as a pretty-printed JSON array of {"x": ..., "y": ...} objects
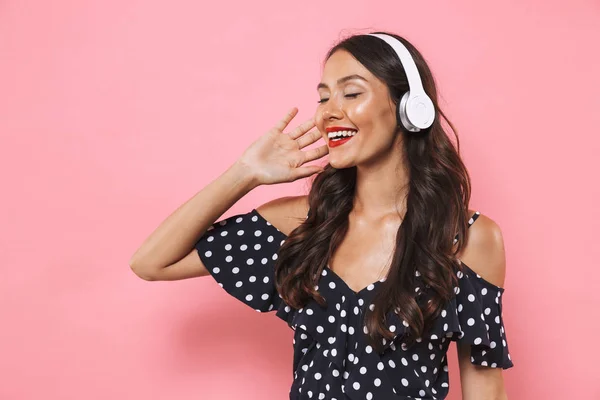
[{"x": 436, "y": 211}]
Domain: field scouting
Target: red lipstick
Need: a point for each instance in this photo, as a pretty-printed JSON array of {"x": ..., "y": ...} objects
[{"x": 339, "y": 142}]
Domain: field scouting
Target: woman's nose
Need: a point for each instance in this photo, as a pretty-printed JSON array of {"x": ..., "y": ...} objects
[{"x": 332, "y": 110}]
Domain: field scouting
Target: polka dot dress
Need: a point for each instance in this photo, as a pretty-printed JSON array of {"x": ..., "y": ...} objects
[{"x": 332, "y": 357}]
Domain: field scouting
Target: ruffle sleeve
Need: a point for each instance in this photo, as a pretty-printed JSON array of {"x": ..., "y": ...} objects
[
  {"x": 474, "y": 317},
  {"x": 239, "y": 253}
]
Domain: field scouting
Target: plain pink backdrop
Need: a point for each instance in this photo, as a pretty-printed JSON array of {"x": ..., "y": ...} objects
[{"x": 113, "y": 113}]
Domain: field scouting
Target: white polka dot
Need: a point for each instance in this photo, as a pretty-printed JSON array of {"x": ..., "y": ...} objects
[
  {"x": 216, "y": 270},
  {"x": 471, "y": 298},
  {"x": 309, "y": 311},
  {"x": 377, "y": 382},
  {"x": 320, "y": 329},
  {"x": 404, "y": 382},
  {"x": 392, "y": 363},
  {"x": 356, "y": 385},
  {"x": 470, "y": 322},
  {"x": 317, "y": 376},
  {"x": 331, "y": 319},
  {"x": 332, "y": 285},
  {"x": 380, "y": 366},
  {"x": 265, "y": 296},
  {"x": 369, "y": 396},
  {"x": 363, "y": 370},
  {"x": 249, "y": 297},
  {"x": 368, "y": 349}
]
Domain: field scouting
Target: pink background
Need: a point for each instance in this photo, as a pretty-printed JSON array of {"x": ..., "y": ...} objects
[{"x": 112, "y": 113}]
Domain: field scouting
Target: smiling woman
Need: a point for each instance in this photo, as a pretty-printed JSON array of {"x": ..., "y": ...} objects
[{"x": 383, "y": 264}]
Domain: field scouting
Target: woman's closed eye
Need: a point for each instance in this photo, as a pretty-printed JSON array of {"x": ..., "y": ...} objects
[{"x": 349, "y": 95}]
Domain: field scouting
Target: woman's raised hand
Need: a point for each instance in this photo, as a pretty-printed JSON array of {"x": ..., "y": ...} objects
[{"x": 277, "y": 157}]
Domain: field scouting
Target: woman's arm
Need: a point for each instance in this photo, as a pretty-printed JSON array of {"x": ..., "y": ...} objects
[
  {"x": 165, "y": 254},
  {"x": 484, "y": 253},
  {"x": 276, "y": 157},
  {"x": 477, "y": 382}
]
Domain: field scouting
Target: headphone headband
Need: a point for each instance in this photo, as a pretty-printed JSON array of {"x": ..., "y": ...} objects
[{"x": 415, "y": 110}]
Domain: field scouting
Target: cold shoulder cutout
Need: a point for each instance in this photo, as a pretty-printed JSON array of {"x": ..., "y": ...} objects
[{"x": 332, "y": 358}]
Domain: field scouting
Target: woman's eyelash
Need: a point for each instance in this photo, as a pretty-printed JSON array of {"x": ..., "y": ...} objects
[{"x": 350, "y": 95}]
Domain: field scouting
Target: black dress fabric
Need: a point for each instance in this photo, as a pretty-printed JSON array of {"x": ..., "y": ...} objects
[{"x": 332, "y": 358}]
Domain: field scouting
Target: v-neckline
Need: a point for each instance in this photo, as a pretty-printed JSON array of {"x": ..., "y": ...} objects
[{"x": 339, "y": 278}]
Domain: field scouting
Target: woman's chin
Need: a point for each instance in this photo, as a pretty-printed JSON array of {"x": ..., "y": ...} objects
[{"x": 340, "y": 162}]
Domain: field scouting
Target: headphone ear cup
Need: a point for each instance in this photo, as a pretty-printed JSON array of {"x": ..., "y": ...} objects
[{"x": 419, "y": 111}]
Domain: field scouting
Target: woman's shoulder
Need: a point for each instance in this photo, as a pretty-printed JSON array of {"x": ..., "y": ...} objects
[
  {"x": 484, "y": 249},
  {"x": 285, "y": 213}
]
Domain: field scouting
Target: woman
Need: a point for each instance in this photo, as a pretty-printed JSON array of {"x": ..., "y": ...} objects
[{"x": 370, "y": 269}]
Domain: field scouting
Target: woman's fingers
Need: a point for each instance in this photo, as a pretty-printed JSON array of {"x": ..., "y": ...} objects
[
  {"x": 283, "y": 123},
  {"x": 308, "y": 138},
  {"x": 316, "y": 153},
  {"x": 302, "y": 129}
]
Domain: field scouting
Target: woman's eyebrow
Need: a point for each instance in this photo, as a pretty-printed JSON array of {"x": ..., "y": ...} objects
[{"x": 341, "y": 80}]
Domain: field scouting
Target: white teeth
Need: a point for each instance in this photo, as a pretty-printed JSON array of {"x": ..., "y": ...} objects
[{"x": 332, "y": 135}]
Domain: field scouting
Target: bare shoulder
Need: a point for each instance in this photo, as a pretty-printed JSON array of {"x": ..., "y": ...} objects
[
  {"x": 484, "y": 250},
  {"x": 285, "y": 213}
]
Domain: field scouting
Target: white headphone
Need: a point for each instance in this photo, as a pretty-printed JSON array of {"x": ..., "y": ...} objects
[{"x": 415, "y": 110}]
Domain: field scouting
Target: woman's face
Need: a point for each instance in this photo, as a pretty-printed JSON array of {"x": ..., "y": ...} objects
[{"x": 353, "y": 98}]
